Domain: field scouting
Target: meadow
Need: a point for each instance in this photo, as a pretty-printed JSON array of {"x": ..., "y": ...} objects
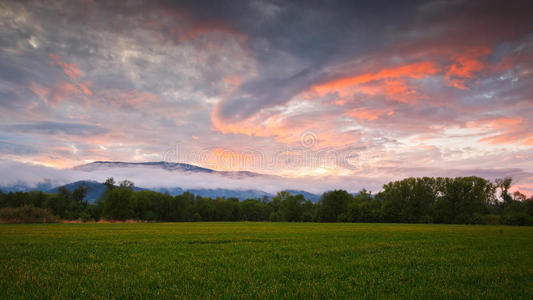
[{"x": 264, "y": 260}]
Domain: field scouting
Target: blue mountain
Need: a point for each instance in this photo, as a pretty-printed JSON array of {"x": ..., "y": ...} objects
[{"x": 96, "y": 189}]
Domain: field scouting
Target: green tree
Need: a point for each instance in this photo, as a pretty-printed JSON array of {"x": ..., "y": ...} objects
[
  {"x": 109, "y": 184},
  {"x": 291, "y": 207},
  {"x": 333, "y": 206},
  {"x": 254, "y": 210},
  {"x": 118, "y": 205}
]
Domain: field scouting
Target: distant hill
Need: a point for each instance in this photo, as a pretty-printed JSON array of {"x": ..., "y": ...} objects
[
  {"x": 168, "y": 166},
  {"x": 214, "y": 193},
  {"x": 102, "y": 165},
  {"x": 23, "y": 187},
  {"x": 307, "y": 195},
  {"x": 228, "y": 193},
  {"x": 96, "y": 189}
]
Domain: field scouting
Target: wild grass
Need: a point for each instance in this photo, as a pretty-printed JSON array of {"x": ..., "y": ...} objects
[{"x": 264, "y": 260}]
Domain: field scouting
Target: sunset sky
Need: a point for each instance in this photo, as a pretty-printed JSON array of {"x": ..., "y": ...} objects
[{"x": 337, "y": 89}]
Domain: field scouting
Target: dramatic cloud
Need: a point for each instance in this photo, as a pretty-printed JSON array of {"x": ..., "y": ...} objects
[{"x": 348, "y": 92}]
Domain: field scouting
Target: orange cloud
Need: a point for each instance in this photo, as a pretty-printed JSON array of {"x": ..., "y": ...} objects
[
  {"x": 251, "y": 127},
  {"x": 464, "y": 66},
  {"x": 505, "y": 131},
  {"x": 73, "y": 73},
  {"x": 283, "y": 130},
  {"x": 368, "y": 114},
  {"x": 41, "y": 91},
  {"x": 70, "y": 70},
  {"x": 389, "y": 81},
  {"x": 230, "y": 160},
  {"x": 64, "y": 91},
  {"x": 398, "y": 90},
  {"x": 84, "y": 87},
  {"x": 527, "y": 142}
]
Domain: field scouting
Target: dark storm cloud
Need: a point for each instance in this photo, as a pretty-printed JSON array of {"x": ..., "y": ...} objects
[
  {"x": 308, "y": 37},
  {"x": 295, "y": 41}
]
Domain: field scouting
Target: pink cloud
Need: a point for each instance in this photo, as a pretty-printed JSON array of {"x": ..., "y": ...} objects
[
  {"x": 387, "y": 81},
  {"x": 70, "y": 70},
  {"x": 505, "y": 130},
  {"x": 465, "y": 65}
]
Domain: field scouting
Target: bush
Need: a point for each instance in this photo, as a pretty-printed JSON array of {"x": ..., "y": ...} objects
[
  {"x": 86, "y": 217},
  {"x": 274, "y": 217},
  {"x": 476, "y": 219},
  {"x": 342, "y": 218},
  {"x": 307, "y": 217},
  {"x": 518, "y": 218},
  {"x": 196, "y": 217},
  {"x": 26, "y": 214},
  {"x": 426, "y": 219},
  {"x": 492, "y": 220}
]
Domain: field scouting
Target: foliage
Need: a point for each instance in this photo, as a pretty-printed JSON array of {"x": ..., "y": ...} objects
[
  {"x": 333, "y": 205},
  {"x": 26, "y": 214},
  {"x": 460, "y": 200}
]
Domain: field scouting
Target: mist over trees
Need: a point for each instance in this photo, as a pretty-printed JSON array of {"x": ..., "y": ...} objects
[{"x": 460, "y": 200}]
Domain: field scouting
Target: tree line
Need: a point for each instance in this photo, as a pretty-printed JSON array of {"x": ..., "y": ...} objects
[{"x": 460, "y": 200}]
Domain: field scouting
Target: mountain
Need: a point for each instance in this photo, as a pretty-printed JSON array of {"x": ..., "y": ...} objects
[
  {"x": 102, "y": 165},
  {"x": 307, "y": 195},
  {"x": 96, "y": 189},
  {"x": 188, "y": 168},
  {"x": 168, "y": 166},
  {"x": 24, "y": 187},
  {"x": 239, "y": 194}
]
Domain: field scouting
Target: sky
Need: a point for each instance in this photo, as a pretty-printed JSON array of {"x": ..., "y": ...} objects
[{"x": 342, "y": 93}]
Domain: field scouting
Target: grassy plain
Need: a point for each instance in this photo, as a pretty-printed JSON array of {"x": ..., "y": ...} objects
[{"x": 265, "y": 260}]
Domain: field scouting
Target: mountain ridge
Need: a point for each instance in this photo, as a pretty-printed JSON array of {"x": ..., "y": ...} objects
[
  {"x": 168, "y": 166},
  {"x": 96, "y": 189}
]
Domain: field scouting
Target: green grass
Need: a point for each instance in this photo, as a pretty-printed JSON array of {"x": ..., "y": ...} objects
[{"x": 265, "y": 260}]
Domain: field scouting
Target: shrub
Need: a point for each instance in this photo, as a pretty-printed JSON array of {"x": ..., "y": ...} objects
[
  {"x": 26, "y": 214},
  {"x": 342, "y": 218},
  {"x": 476, "y": 219},
  {"x": 518, "y": 218},
  {"x": 274, "y": 217},
  {"x": 492, "y": 220},
  {"x": 307, "y": 217},
  {"x": 86, "y": 217},
  {"x": 426, "y": 219},
  {"x": 196, "y": 217}
]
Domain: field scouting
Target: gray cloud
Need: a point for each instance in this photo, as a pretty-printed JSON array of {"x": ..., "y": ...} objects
[
  {"x": 12, "y": 148},
  {"x": 54, "y": 128}
]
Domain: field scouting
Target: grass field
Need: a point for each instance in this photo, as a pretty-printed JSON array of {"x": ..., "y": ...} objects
[{"x": 265, "y": 260}]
